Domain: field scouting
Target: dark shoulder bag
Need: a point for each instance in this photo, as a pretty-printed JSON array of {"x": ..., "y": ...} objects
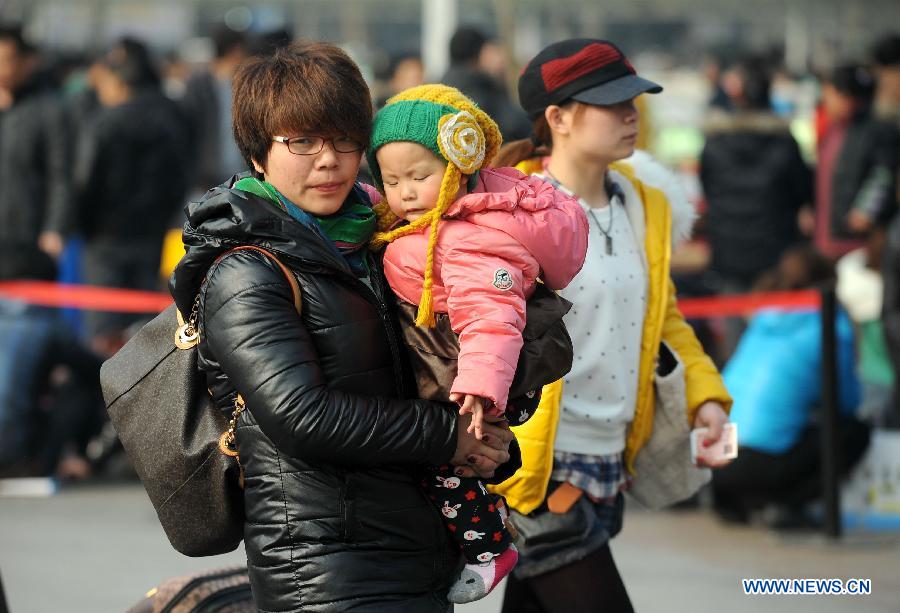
[{"x": 180, "y": 444}]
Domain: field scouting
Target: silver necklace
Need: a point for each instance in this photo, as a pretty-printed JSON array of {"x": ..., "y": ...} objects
[{"x": 605, "y": 232}]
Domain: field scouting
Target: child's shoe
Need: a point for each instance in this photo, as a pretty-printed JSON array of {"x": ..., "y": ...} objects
[{"x": 477, "y": 580}]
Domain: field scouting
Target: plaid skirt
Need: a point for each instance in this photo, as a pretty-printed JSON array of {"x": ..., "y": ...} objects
[
  {"x": 601, "y": 477},
  {"x": 546, "y": 540}
]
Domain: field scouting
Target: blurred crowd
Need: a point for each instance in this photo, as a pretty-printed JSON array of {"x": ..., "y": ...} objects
[
  {"x": 773, "y": 222},
  {"x": 99, "y": 156}
]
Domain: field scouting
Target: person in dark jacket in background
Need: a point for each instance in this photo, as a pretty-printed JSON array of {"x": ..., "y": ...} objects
[
  {"x": 130, "y": 178},
  {"x": 890, "y": 312},
  {"x": 467, "y": 75},
  {"x": 332, "y": 452},
  {"x": 34, "y": 174},
  {"x": 754, "y": 180},
  {"x": 856, "y": 176},
  {"x": 886, "y": 65},
  {"x": 207, "y": 106}
]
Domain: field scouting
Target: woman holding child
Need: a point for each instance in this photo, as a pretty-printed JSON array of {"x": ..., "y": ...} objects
[
  {"x": 339, "y": 468},
  {"x": 331, "y": 448}
]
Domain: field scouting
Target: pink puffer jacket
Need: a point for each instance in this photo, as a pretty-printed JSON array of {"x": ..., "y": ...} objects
[{"x": 493, "y": 245}]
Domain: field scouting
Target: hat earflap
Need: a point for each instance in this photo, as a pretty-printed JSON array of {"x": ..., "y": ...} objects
[{"x": 449, "y": 188}]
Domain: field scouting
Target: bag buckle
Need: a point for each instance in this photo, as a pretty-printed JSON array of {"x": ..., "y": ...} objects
[
  {"x": 228, "y": 442},
  {"x": 188, "y": 335}
]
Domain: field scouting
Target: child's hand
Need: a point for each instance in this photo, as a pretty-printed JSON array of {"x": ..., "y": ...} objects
[{"x": 474, "y": 405}]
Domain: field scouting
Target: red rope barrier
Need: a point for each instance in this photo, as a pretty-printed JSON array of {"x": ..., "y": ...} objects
[
  {"x": 88, "y": 297},
  {"x": 740, "y": 305},
  {"x": 133, "y": 301}
]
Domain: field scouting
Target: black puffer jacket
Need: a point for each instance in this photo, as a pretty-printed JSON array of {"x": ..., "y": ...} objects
[
  {"x": 755, "y": 182},
  {"x": 130, "y": 176},
  {"x": 336, "y": 520}
]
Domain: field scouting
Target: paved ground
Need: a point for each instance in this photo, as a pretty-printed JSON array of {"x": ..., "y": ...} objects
[{"x": 98, "y": 549}]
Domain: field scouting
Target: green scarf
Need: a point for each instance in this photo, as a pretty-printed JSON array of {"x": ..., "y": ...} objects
[{"x": 348, "y": 230}]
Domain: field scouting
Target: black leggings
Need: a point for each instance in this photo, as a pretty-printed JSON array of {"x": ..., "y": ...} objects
[{"x": 590, "y": 585}]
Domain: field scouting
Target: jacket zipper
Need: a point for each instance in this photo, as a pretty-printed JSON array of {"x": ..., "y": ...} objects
[
  {"x": 170, "y": 607},
  {"x": 371, "y": 295},
  {"x": 392, "y": 334}
]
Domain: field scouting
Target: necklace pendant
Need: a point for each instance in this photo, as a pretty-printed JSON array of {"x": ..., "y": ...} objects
[{"x": 609, "y": 246}]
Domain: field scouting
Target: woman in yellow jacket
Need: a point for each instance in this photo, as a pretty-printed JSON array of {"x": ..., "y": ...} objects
[{"x": 580, "y": 447}]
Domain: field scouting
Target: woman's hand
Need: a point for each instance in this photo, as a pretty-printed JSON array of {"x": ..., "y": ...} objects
[
  {"x": 711, "y": 415},
  {"x": 474, "y": 458}
]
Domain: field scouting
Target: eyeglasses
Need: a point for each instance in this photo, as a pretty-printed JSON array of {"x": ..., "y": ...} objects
[{"x": 311, "y": 145}]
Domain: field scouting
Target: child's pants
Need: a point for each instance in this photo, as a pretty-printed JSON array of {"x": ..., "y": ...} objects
[{"x": 475, "y": 517}]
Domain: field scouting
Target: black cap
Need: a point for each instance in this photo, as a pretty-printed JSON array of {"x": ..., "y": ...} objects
[{"x": 584, "y": 69}]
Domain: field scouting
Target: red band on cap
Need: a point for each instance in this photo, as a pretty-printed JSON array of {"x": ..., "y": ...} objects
[{"x": 595, "y": 56}]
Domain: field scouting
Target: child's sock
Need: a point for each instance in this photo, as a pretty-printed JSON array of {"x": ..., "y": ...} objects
[{"x": 477, "y": 580}]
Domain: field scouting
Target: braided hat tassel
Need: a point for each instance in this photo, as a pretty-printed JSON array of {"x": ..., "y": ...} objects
[
  {"x": 386, "y": 219},
  {"x": 449, "y": 187}
]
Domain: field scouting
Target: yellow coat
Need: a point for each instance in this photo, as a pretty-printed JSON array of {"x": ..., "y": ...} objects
[{"x": 526, "y": 489}]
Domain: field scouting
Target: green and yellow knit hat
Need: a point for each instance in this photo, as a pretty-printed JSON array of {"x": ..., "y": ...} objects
[{"x": 447, "y": 123}]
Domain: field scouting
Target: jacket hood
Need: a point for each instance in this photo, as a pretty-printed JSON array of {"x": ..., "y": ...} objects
[
  {"x": 225, "y": 218},
  {"x": 649, "y": 171},
  {"x": 530, "y": 208}
]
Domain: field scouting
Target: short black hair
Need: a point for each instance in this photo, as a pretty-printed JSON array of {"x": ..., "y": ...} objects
[
  {"x": 226, "y": 39},
  {"x": 13, "y": 33},
  {"x": 886, "y": 51},
  {"x": 756, "y": 82},
  {"x": 131, "y": 61},
  {"x": 466, "y": 44},
  {"x": 854, "y": 80}
]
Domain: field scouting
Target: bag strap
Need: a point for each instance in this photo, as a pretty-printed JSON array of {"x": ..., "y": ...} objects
[
  {"x": 291, "y": 279},
  {"x": 187, "y": 334}
]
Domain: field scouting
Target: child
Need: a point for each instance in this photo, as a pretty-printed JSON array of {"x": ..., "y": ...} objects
[{"x": 475, "y": 242}]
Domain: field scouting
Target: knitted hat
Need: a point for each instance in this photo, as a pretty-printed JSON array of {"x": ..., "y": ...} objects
[
  {"x": 450, "y": 125},
  {"x": 436, "y": 117}
]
